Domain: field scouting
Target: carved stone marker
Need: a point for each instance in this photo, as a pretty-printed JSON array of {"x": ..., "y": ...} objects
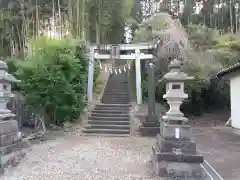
[
  {"x": 174, "y": 154},
  {"x": 151, "y": 125},
  {"x": 10, "y": 138}
]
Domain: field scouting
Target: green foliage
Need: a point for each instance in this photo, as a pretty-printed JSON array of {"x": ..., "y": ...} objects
[
  {"x": 11, "y": 62},
  {"x": 150, "y": 28},
  {"x": 54, "y": 79},
  {"x": 206, "y": 92},
  {"x": 142, "y": 35},
  {"x": 202, "y": 36}
]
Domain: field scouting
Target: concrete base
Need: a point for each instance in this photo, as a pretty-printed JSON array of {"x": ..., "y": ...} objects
[{"x": 150, "y": 127}]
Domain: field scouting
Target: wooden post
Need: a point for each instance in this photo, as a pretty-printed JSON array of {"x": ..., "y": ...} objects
[
  {"x": 138, "y": 76},
  {"x": 90, "y": 74}
]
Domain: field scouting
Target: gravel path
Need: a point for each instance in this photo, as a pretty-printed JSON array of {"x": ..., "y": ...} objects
[{"x": 86, "y": 158}]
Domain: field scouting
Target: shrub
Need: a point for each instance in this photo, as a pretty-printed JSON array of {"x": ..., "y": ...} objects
[{"x": 54, "y": 79}]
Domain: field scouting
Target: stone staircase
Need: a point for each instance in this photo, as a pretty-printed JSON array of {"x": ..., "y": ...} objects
[{"x": 112, "y": 116}]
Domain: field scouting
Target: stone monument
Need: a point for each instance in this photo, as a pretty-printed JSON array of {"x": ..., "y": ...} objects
[
  {"x": 174, "y": 154},
  {"x": 10, "y": 138},
  {"x": 150, "y": 127}
]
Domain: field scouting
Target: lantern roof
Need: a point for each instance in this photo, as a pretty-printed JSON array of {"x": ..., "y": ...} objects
[{"x": 175, "y": 73}]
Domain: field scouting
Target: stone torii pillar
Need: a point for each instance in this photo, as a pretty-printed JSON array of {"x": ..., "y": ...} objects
[
  {"x": 175, "y": 154},
  {"x": 90, "y": 57},
  {"x": 138, "y": 55}
]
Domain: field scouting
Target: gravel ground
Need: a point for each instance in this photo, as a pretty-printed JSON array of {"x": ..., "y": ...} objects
[{"x": 86, "y": 158}]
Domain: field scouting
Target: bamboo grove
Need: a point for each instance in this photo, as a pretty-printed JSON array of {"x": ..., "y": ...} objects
[{"x": 100, "y": 21}]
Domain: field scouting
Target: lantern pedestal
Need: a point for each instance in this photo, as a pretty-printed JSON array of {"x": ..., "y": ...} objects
[
  {"x": 11, "y": 143},
  {"x": 176, "y": 155}
]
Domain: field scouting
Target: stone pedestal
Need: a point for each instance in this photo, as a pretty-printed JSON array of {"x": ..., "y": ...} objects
[
  {"x": 150, "y": 127},
  {"x": 176, "y": 157},
  {"x": 11, "y": 143},
  {"x": 174, "y": 154}
]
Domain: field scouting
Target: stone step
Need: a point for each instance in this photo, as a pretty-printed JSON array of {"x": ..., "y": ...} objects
[
  {"x": 11, "y": 148},
  {"x": 106, "y": 98},
  {"x": 107, "y": 126},
  {"x": 109, "y": 118},
  {"x": 114, "y": 86},
  {"x": 109, "y": 115},
  {"x": 115, "y": 91},
  {"x": 118, "y": 80},
  {"x": 117, "y": 84},
  {"x": 125, "y": 109},
  {"x": 113, "y": 105},
  {"x": 107, "y": 131},
  {"x": 127, "y": 122},
  {"x": 115, "y": 102},
  {"x": 118, "y": 93},
  {"x": 106, "y": 135},
  {"x": 112, "y": 111},
  {"x": 111, "y": 93},
  {"x": 114, "y": 97}
]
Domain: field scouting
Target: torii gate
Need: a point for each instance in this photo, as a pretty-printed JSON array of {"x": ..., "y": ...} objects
[{"x": 116, "y": 49}]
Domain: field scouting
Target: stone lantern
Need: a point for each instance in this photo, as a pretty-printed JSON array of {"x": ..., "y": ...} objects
[
  {"x": 11, "y": 143},
  {"x": 175, "y": 154},
  {"x": 6, "y": 81},
  {"x": 175, "y": 92}
]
